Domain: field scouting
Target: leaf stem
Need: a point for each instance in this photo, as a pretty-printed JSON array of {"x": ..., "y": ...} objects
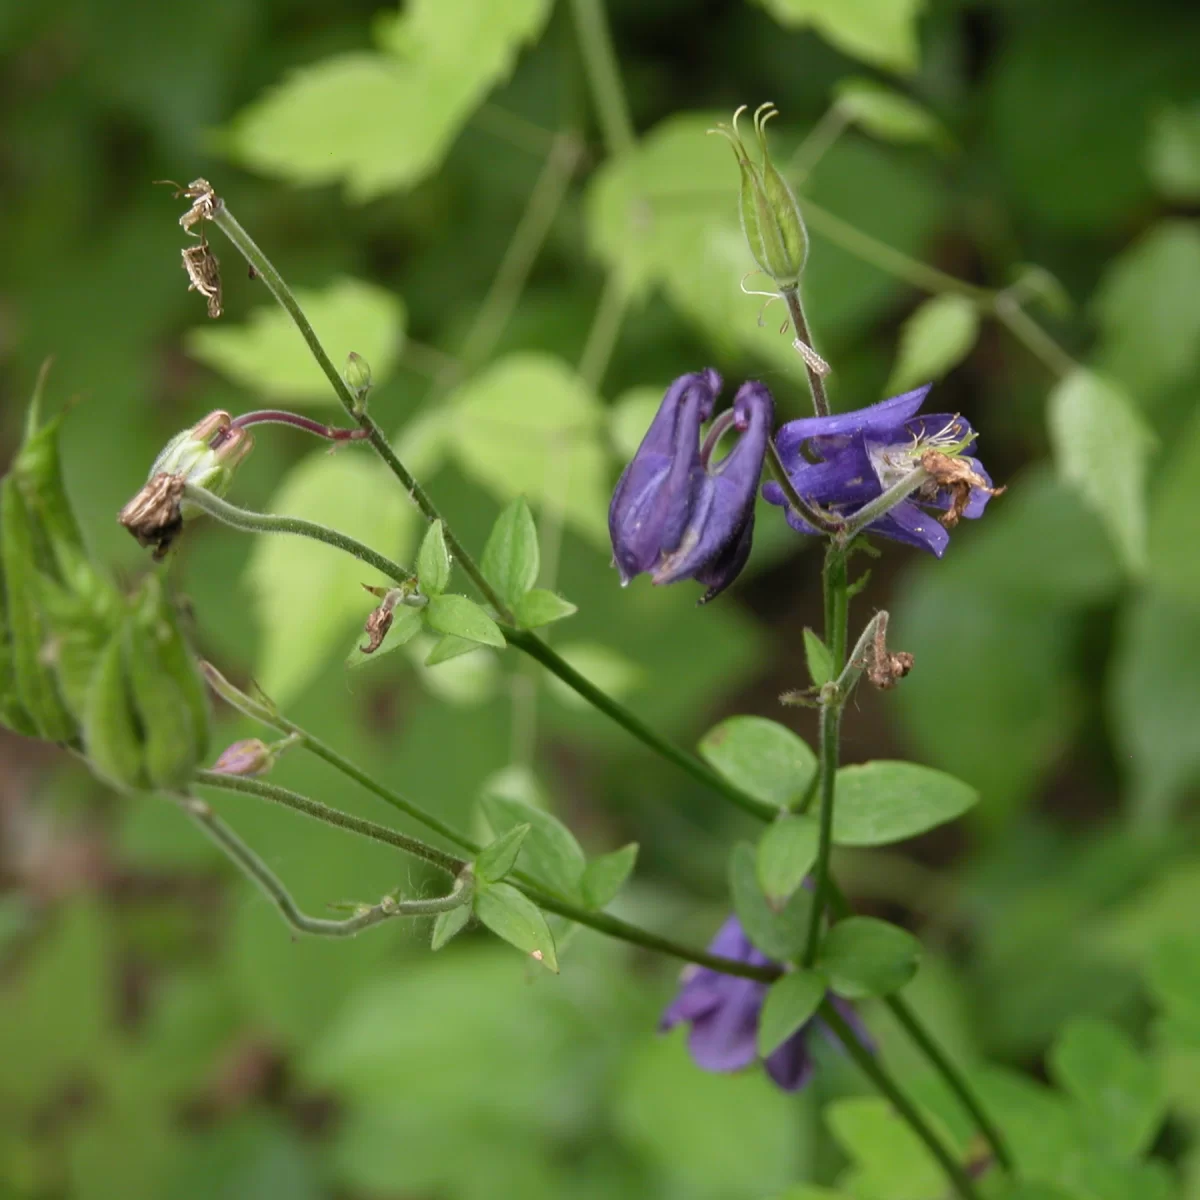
[
  {"x": 905, "y": 1108},
  {"x": 331, "y": 816},
  {"x": 791, "y": 297},
  {"x": 280, "y": 416},
  {"x": 883, "y": 503},
  {"x": 604, "y": 78},
  {"x": 254, "y": 522},
  {"x": 265, "y": 879}
]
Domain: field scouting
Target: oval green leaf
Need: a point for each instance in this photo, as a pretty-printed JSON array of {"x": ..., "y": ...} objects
[
  {"x": 790, "y": 1003},
  {"x": 863, "y": 956},
  {"x": 463, "y": 618},
  {"x": 762, "y": 757},
  {"x": 878, "y": 803}
]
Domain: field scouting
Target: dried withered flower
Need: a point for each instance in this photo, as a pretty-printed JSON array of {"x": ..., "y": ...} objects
[{"x": 204, "y": 275}]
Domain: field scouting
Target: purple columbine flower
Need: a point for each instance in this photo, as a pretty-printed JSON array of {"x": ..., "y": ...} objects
[
  {"x": 675, "y": 512},
  {"x": 842, "y": 462},
  {"x": 723, "y": 1011}
]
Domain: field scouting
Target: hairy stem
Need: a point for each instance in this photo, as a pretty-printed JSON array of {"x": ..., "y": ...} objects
[
  {"x": 905, "y": 1108},
  {"x": 280, "y": 416},
  {"x": 331, "y": 816},
  {"x": 791, "y": 297},
  {"x": 253, "y": 522},
  {"x": 265, "y": 879}
]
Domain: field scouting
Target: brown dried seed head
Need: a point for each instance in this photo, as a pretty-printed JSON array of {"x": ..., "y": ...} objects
[
  {"x": 204, "y": 203},
  {"x": 378, "y": 623},
  {"x": 154, "y": 516},
  {"x": 884, "y": 672},
  {"x": 204, "y": 275},
  {"x": 956, "y": 475}
]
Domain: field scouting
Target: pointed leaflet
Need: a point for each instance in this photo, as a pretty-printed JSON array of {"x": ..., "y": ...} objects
[
  {"x": 786, "y": 851},
  {"x": 433, "y": 561},
  {"x": 511, "y": 915},
  {"x": 511, "y": 557},
  {"x": 863, "y": 956},
  {"x": 498, "y": 859},
  {"x": 463, "y": 618},
  {"x": 779, "y": 935},
  {"x": 604, "y": 877},
  {"x": 878, "y": 803},
  {"x": 790, "y": 1003}
]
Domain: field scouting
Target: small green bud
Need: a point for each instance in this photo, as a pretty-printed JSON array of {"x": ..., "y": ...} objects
[
  {"x": 357, "y": 375},
  {"x": 770, "y": 216}
]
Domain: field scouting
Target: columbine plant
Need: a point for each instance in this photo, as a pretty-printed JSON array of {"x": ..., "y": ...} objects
[{"x": 112, "y": 677}]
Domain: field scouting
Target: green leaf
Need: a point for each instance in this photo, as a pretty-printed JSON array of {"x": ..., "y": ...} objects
[
  {"x": 498, "y": 859},
  {"x": 511, "y": 558},
  {"x": 762, "y": 757},
  {"x": 786, "y": 851},
  {"x": 308, "y": 596},
  {"x": 1175, "y": 521},
  {"x": 550, "y": 854},
  {"x": 448, "y": 647},
  {"x": 1101, "y": 446},
  {"x": 818, "y": 657},
  {"x": 540, "y": 607},
  {"x": 605, "y": 875},
  {"x": 463, "y": 618},
  {"x": 350, "y": 117},
  {"x": 887, "y": 114},
  {"x": 890, "y": 1161},
  {"x": 863, "y": 956},
  {"x": 433, "y": 562},
  {"x": 790, "y": 1004},
  {"x": 1173, "y": 976},
  {"x": 447, "y": 924},
  {"x": 511, "y": 915},
  {"x": 598, "y": 664},
  {"x": 937, "y": 337},
  {"x": 780, "y": 935},
  {"x": 1154, "y": 703},
  {"x": 880, "y": 32},
  {"x": 406, "y": 624},
  {"x": 268, "y": 357},
  {"x": 1173, "y": 155},
  {"x": 1148, "y": 307},
  {"x": 878, "y": 803},
  {"x": 528, "y": 426},
  {"x": 1118, "y": 1091}
]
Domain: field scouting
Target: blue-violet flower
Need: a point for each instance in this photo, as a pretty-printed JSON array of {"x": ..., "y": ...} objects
[
  {"x": 724, "y": 1010},
  {"x": 843, "y": 462},
  {"x": 677, "y": 514}
]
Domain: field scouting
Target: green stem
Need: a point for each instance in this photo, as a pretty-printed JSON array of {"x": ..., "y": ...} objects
[
  {"x": 883, "y": 503},
  {"x": 253, "y": 522},
  {"x": 265, "y": 879},
  {"x": 1026, "y": 330},
  {"x": 791, "y": 297},
  {"x": 695, "y": 767},
  {"x": 511, "y": 276},
  {"x": 953, "y": 1077},
  {"x": 831, "y": 719},
  {"x": 604, "y": 78},
  {"x": 603, "y": 334},
  {"x": 820, "y": 521},
  {"x": 887, "y": 1087},
  {"x": 331, "y": 816}
]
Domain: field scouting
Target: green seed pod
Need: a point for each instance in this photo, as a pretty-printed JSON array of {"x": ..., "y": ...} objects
[
  {"x": 31, "y": 647},
  {"x": 112, "y": 735}
]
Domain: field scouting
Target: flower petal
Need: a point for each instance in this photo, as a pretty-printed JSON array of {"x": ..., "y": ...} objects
[
  {"x": 791, "y": 1065},
  {"x": 725, "y": 1039},
  {"x": 887, "y": 414},
  {"x": 913, "y": 526}
]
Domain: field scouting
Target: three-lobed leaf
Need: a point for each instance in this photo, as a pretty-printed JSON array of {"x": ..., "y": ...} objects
[{"x": 864, "y": 956}]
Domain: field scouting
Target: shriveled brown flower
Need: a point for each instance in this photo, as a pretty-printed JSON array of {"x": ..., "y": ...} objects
[
  {"x": 154, "y": 515},
  {"x": 958, "y": 477},
  {"x": 204, "y": 275},
  {"x": 204, "y": 203},
  {"x": 378, "y": 623},
  {"x": 885, "y": 667}
]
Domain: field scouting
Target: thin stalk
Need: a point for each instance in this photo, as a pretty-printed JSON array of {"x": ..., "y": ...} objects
[
  {"x": 257, "y": 871},
  {"x": 822, "y": 522},
  {"x": 604, "y": 78},
  {"x": 833, "y": 578},
  {"x": 791, "y": 297},
  {"x": 831, "y": 719},
  {"x": 883, "y": 503},
  {"x": 604, "y": 331},
  {"x": 633, "y": 724},
  {"x": 953, "y": 1077},
  {"x": 280, "y": 416},
  {"x": 254, "y": 522},
  {"x": 511, "y": 276},
  {"x": 1026, "y": 330},
  {"x": 887, "y": 1087},
  {"x": 331, "y": 816}
]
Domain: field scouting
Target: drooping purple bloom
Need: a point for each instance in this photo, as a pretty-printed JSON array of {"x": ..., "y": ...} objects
[
  {"x": 842, "y": 462},
  {"x": 675, "y": 512},
  {"x": 723, "y": 1011}
]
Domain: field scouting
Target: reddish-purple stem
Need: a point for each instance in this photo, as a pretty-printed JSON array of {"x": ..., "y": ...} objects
[{"x": 278, "y": 416}]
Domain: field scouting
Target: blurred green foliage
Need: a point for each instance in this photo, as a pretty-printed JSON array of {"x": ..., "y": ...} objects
[{"x": 161, "y": 1034}]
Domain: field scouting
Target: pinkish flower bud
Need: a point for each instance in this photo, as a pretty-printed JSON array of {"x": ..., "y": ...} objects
[{"x": 250, "y": 756}]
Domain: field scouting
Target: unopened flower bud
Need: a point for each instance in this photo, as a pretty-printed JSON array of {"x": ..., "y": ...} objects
[
  {"x": 357, "y": 375},
  {"x": 770, "y": 216},
  {"x": 250, "y": 756}
]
